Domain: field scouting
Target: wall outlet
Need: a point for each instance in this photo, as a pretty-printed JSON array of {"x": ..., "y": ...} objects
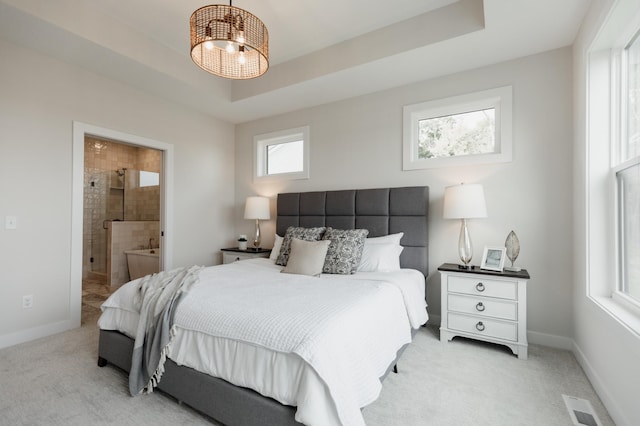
[{"x": 27, "y": 301}]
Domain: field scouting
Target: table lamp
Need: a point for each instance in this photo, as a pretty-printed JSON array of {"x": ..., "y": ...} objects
[
  {"x": 257, "y": 208},
  {"x": 464, "y": 202}
]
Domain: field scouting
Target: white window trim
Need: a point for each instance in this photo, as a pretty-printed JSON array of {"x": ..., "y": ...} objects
[
  {"x": 605, "y": 110},
  {"x": 260, "y": 144},
  {"x": 500, "y": 98}
]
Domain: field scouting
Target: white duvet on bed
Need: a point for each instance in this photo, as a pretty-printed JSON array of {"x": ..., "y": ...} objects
[{"x": 341, "y": 332}]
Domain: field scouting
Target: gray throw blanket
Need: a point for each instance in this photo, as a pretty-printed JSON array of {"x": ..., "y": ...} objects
[{"x": 159, "y": 295}]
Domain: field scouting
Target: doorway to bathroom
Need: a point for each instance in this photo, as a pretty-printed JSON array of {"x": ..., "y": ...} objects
[
  {"x": 121, "y": 215},
  {"x": 121, "y": 191}
]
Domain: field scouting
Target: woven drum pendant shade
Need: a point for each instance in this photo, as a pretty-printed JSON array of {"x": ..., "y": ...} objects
[{"x": 229, "y": 42}]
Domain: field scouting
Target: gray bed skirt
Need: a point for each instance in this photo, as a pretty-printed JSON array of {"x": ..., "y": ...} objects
[
  {"x": 226, "y": 403},
  {"x": 218, "y": 399}
]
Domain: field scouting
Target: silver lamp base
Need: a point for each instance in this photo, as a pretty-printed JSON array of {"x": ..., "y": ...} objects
[
  {"x": 465, "y": 248},
  {"x": 256, "y": 238}
]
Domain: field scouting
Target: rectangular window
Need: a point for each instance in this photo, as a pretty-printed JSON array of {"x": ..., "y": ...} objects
[
  {"x": 631, "y": 143},
  {"x": 282, "y": 155},
  {"x": 627, "y": 173},
  {"x": 462, "y": 130},
  {"x": 628, "y": 180},
  {"x": 149, "y": 179},
  {"x": 468, "y": 133}
]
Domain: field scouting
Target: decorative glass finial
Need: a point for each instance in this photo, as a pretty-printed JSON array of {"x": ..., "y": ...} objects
[{"x": 513, "y": 250}]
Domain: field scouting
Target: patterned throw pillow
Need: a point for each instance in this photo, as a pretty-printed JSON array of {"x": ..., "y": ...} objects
[
  {"x": 345, "y": 251},
  {"x": 305, "y": 234}
]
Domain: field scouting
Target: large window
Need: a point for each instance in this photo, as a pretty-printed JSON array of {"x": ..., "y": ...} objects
[
  {"x": 612, "y": 173},
  {"x": 462, "y": 130},
  {"x": 282, "y": 155},
  {"x": 627, "y": 171}
]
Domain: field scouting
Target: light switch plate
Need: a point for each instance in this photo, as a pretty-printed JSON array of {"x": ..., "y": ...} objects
[{"x": 10, "y": 222}]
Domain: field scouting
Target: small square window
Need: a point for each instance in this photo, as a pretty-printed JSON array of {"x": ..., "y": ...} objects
[
  {"x": 282, "y": 155},
  {"x": 462, "y": 130}
]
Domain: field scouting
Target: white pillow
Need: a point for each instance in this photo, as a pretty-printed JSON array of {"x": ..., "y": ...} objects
[
  {"x": 387, "y": 239},
  {"x": 306, "y": 257},
  {"x": 275, "y": 251},
  {"x": 380, "y": 258}
]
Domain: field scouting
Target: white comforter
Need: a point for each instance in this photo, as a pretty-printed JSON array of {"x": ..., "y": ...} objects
[{"x": 320, "y": 344}]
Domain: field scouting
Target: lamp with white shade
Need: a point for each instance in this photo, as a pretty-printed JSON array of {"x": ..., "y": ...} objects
[
  {"x": 464, "y": 202},
  {"x": 257, "y": 208}
]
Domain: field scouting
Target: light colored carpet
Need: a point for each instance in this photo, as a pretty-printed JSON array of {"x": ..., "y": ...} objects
[{"x": 55, "y": 381}]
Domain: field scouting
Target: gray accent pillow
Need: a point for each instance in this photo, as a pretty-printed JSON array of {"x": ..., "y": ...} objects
[
  {"x": 345, "y": 250},
  {"x": 306, "y": 257},
  {"x": 305, "y": 234}
]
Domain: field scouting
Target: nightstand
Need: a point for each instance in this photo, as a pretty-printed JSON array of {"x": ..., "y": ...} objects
[
  {"x": 234, "y": 254},
  {"x": 485, "y": 305}
]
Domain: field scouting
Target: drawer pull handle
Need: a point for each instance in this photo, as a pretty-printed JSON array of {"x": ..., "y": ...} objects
[
  {"x": 480, "y": 307},
  {"x": 480, "y": 326},
  {"x": 480, "y": 287}
]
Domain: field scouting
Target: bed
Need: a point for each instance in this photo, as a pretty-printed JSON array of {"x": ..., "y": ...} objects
[{"x": 384, "y": 211}]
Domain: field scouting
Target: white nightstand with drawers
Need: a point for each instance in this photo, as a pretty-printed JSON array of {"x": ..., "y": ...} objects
[{"x": 485, "y": 305}]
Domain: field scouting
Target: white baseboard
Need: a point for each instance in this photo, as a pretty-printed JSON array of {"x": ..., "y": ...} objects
[
  {"x": 566, "y": 343},
  {"x": 550, "y": 340},
  {"x": 601, "y": 390},
  {"x": 34, "y": 333}
]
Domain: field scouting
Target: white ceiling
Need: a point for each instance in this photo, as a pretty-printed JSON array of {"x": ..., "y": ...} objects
[{"x": 319, "y": 51}]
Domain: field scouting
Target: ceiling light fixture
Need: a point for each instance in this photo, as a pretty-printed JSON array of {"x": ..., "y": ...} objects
[{"x": 229, "y": 42}]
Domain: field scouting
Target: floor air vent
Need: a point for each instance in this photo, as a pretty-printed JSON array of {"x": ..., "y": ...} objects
[{"x": 581, "y": 411}]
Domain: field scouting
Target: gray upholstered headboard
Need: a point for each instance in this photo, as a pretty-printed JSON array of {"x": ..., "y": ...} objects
[{"x": 382, "y": 211}]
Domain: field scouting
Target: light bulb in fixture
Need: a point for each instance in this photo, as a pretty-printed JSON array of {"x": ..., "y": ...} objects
[
  {"x": 231, "y": 49},
  {"x": 241, "y": 59},
  {"x": 240, "y": 38},
  {"x": 208, "y": 36}
]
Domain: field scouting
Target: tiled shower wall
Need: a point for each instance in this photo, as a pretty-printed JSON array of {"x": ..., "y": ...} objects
[
  {"x": 104, "y": 195},
  {"x": 124, "y": 236}
]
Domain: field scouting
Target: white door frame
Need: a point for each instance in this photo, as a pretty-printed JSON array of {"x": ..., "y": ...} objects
[{"x": 80, "y": 130}]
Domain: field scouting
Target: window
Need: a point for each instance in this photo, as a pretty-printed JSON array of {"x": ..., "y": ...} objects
[
  {"x": 286, "y": 157},
  {"x": 628, "y": 181},
  {"x": 462, "y": 130},
  {"x": 148, "y": 179},
  {"x": 282, "y": 155},
  {"x": 627, "y": 172},
  {"x": 612, "y": 130}
]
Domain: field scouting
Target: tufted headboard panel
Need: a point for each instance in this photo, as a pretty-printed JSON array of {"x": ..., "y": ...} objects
[{"x": 382, "y": 211}]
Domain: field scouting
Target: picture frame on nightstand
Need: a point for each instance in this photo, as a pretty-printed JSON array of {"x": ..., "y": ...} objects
[{"x": 493, "y": 258}]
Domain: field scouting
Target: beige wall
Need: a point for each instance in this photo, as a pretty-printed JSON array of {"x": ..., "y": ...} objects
[
  {"x": 357, "y": 143},
  {"x": 40, "y": 99}
]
